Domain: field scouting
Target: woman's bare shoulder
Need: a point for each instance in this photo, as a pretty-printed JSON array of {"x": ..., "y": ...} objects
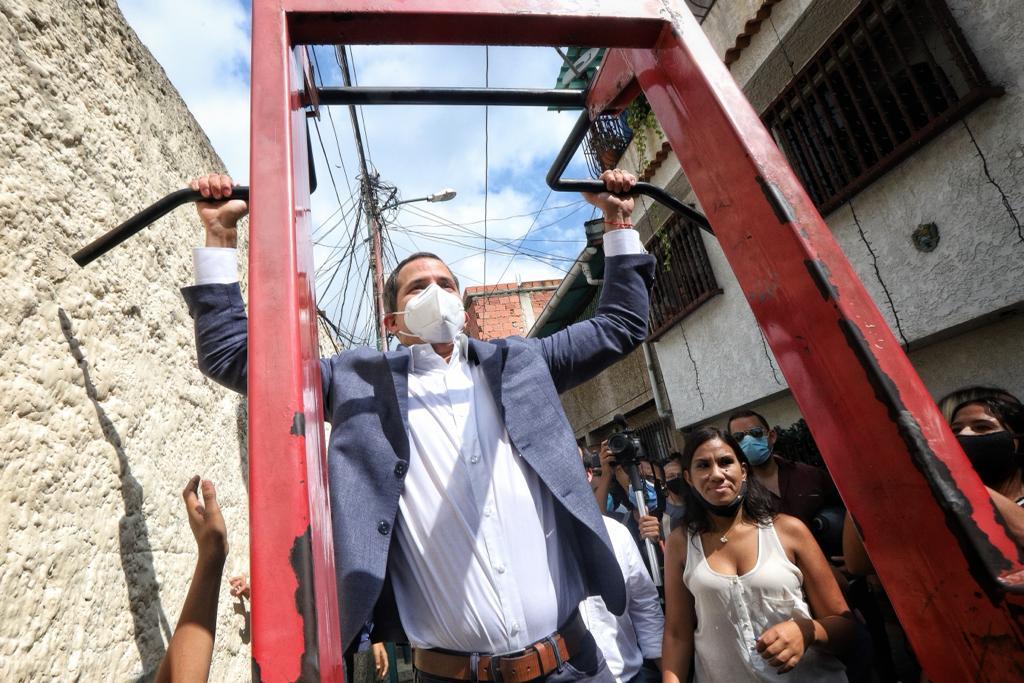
[
  {"x": 676, "y": 543},
  {"x": 791, "y": 529}
]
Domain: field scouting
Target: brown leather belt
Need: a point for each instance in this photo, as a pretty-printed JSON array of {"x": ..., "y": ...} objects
[{"x": 539, "y": 659}]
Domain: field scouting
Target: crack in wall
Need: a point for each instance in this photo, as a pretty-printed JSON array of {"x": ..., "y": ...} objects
[
  {"x": 771, "y": 362},
  {"x": 782, "y": 46},
  {"x": 992, "y": 181},
  {"x": 696, "y": 372},
  {"x": 878, "y": 275}
]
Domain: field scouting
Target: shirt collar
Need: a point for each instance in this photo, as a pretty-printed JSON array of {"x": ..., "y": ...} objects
[{"x": 423, "y": 358}]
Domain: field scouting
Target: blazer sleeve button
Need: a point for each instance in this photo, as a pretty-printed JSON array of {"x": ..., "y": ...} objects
[{"x": 383, "y": 526}]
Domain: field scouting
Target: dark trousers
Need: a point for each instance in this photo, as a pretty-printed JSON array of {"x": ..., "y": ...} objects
[{"x": 587, "y": 665}]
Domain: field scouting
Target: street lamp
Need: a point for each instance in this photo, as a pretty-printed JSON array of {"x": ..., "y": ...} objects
[{"x": 447, "y": 194}]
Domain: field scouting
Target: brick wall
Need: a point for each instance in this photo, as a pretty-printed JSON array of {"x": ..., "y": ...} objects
[{"x": 498, "y": 310}]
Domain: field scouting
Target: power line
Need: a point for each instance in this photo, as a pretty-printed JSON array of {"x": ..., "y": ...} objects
[
  {"x": 487, "y": 145},
  {"x": 532, "y": 253},
  {"x": 370, "y": 205},
  {"x": 520, "y": 245},
  {"x": 530, "y": 214},
  {"x": 355, "y": 78},
  {"x": 334, "y": 129},
  {"x": 542, "y": 258}
]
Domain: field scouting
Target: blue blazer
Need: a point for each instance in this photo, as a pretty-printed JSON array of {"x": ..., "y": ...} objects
[{"x": 365, "y": 399}]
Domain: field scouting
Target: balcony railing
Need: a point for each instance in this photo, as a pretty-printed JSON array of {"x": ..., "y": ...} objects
[{"x": 606, "y": 142}]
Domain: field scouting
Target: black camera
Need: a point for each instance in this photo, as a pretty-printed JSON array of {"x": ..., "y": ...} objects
[{"x": 625, "y": 445}]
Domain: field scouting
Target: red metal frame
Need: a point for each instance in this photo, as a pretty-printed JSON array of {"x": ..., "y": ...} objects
[
  {"x": 926, "y": 519},
  {"x": 295, "y": 625}
]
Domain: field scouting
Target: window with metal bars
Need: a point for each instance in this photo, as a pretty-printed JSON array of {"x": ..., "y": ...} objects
[
  {"x": 607, "y": 140},
  {"x": 683, "y": 279},
  {"x": 894, "y": 75},
  {"x": 656, "y": 437}
]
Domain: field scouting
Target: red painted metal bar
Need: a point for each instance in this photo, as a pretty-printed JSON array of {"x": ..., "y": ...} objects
[
  {"x": 614, "y": 23},
  {"x": 295, "y": 627},
  {"x": 927, "y": 521}
]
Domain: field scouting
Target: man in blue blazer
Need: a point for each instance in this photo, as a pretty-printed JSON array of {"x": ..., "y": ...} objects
[{"x": 462, "y": 518}]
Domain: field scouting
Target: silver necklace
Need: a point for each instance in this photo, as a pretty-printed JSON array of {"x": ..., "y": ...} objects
[{"x": 724, "y": 538}]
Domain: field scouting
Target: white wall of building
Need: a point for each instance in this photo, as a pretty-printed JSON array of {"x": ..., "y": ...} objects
[{"x": 716, "y": 359}]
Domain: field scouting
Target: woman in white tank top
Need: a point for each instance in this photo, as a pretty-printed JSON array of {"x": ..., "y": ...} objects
[{"x": 748, "y": 594}]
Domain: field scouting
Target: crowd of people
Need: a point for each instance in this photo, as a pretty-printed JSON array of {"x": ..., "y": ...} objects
[
  {"x": 477, "y": 539},
  {"x": 756, "y": 584}
]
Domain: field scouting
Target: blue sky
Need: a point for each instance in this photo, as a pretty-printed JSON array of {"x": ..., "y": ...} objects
[{"x": 205, "y": 47}]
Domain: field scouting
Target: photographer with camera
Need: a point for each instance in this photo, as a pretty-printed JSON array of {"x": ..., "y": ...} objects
[
  {"x": 635, "y": 477},
  {"x": 796, "y": 489},
  {"x": 612, "y": 491},
  {"x": 626, "y": 640}
]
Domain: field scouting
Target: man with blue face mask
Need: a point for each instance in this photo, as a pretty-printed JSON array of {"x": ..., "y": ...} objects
[
  {"x": 462, "y": 521},
  {"x": 797, "y": 489}
]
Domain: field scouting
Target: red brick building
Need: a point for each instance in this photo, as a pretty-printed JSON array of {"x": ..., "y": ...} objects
[{"x": 506, "y": 310}]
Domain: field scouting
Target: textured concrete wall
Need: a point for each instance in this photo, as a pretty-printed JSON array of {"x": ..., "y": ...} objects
[
  {"x": 969, "y": 181},
  {"x": 103, "y": 414}
]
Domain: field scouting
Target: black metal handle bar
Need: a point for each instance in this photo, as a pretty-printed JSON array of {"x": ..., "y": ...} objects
[
  {"x": 104, "y": 243},
  {"x": 566, "y": 99},
  {"x": 556, "y": 183}
]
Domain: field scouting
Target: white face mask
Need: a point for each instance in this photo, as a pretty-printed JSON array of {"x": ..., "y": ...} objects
[{"x": 434, "y": 315}]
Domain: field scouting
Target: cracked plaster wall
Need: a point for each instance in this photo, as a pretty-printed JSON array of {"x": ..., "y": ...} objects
[
  {"x": 942, "y": 298},
  {"x": 104, "y": 413}
]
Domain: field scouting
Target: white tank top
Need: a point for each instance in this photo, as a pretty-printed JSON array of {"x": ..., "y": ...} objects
[{"x": 733, "y": 611}]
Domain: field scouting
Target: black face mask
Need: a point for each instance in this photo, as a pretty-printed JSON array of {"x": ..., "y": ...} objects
[
  {"x": 991, "y": 455},
  {"x": 727, "y": 510},
  {"x": 675, "y": 486}
]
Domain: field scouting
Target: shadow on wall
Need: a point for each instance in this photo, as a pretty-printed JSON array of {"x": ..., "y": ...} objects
[
  {"x": 242, "y": 432},
  {"x": 136, "y": 554}
]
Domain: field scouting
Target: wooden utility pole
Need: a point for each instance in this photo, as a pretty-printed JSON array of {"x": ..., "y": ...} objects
[{"x": 368, "y": 196}]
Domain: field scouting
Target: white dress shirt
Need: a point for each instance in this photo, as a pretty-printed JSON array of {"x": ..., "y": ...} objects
[
  {"x": 478, "y": 566},
  {"x": 627, "y": 640}
]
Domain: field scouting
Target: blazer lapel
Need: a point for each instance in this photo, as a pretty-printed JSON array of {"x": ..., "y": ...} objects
[
  {"x": 398, "y": 361},
  {"x": 489, "y": 357}
]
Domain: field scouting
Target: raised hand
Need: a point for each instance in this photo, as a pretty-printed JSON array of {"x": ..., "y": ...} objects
[
  {"x": 616, "y": 207},
  {"x": 206, "y": 521},
  {"x": 220, "y": 218}
]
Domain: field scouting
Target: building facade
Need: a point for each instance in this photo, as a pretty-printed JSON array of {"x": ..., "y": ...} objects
[{"x": 900, "y": 118}]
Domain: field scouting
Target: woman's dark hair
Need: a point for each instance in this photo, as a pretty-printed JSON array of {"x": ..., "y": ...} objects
[
  {"x": 757, "y": 504},
  {"x": 1001, "y": 404}
]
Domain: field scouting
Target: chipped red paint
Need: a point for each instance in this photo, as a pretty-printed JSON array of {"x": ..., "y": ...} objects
[{"x": 289, "y": 510}]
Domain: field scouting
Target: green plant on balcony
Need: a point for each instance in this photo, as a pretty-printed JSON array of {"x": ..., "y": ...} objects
[{"x": 642, "y": 121}]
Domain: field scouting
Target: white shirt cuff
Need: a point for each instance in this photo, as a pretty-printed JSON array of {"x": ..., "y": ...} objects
[
  {"x": 623, "y": 241},
  {"x": 215, "y": 265}
]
